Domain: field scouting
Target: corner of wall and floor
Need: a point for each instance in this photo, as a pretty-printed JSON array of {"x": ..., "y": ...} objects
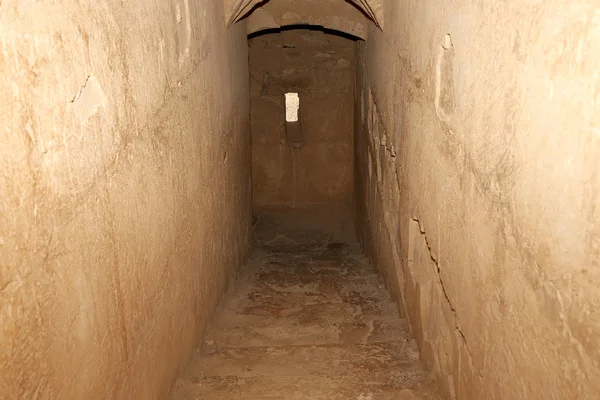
[{"x": 124, "y": 192}]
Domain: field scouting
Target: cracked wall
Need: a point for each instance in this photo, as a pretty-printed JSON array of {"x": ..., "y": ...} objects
[
  {"x": 125, "y": 126},
  {"x": 477, "y": 156},
  {"x": 309, "y": 162}
]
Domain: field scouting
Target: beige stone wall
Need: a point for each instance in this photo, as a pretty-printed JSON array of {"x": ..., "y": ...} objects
[
  {"x": 320, "y": 67},
  {"x": 478, "y": 151},
  {"x": 124, "y": 190}
]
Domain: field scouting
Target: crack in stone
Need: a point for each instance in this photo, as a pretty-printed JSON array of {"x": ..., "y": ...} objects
[{"x": 457, "y": 327}]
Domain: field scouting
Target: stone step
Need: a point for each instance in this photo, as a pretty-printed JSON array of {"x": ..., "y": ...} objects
[
  {"x": 310, "y": 269},
  {"x": 271, "y": 300},
  {"x": 282, "y": 281},
  {"x": 379, "y": 363},
  {"x": 403, "y": 386},
  {"x": 327, "y": 313},
  {"x": 290, "y": 290},
  {"x": 289, "y": 332}
]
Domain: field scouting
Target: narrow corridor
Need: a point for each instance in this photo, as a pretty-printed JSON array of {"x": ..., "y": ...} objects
[
  {"x": 158, "y": 161},
  {"x": 307, "y": 318}
]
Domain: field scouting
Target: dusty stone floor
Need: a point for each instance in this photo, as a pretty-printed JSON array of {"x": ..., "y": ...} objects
[{"x": 307, "y": 318}]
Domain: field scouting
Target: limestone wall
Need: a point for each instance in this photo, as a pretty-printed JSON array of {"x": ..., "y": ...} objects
[
  {"x": 320, "y": 68},
  {"x": 124, "y": 190},
  {"x": 477, "y": 135}
]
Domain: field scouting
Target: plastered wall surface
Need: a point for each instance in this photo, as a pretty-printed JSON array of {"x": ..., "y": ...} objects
[
  {"x": 477, "y": 157},
  {"x": 320, "y": 68},
  {"x": 124, "y": 190}
]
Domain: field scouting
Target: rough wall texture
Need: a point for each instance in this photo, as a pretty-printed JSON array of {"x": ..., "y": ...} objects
[
  {"x": 478, "y": 155},
  {"x": 124, "y": 190},
  {"x": 320, "y": 67}
]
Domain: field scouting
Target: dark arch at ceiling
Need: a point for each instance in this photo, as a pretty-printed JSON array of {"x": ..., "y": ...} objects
[
  {"x": 350, "y": 16},
  {"x": 323, "y": 29}
]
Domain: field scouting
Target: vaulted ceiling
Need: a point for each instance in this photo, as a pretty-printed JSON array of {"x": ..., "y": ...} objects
[{"x": 348, "y": 16}]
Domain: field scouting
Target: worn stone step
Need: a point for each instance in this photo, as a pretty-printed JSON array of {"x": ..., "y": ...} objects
[
  {"x": 310, "y": 274},
  {"x": 328, "y": 313},
  {"x": 369, "y": 302},
  {"x": 286, "y": 281},
  {"x": 287, "y": 332},
  {"x": 310, "y": 269},
  {"x": 403, "y": 386},
  {"x": 378, "y": 363},
  {"x": 290, "y": 291}
]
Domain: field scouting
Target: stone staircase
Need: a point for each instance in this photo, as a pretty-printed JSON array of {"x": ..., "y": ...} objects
[{"x": 306, "y": 321}]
